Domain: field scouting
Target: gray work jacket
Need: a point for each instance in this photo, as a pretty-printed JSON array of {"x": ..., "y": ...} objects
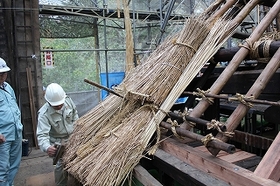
[{"x": 55, "y": 125}]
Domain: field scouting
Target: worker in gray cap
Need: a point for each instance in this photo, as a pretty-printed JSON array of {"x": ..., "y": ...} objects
[{"x": 10, "y": 130}]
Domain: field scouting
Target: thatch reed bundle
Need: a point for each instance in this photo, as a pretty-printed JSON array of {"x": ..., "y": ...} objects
[
  {"x": 129, "y": 38},
  {"x": 112, "y": 138},
  {"x": 158, "y": 74}
]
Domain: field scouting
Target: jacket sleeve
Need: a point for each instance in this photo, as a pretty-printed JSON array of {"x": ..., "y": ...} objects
[{"x": 43, "y": 129}]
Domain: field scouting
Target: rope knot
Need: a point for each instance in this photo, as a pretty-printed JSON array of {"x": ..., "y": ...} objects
[
  {"x": 242, "y": 99},
  {"x": 206, "y": 139},
  {"x": 202, "y": 94},
  {"x": 173, "y": 128}
]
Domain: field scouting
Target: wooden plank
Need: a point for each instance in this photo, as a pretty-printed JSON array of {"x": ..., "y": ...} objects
[
  {"x": 269, "y": 167},
  {"x": 145, "y": 177},
  {"x": 214, "y": 166},
  {"x": 183, "y": 172},
  {"x": 32, "y": 106},
  {"x": 238, "y": 156},
  {"x": 231, "y": 158}
]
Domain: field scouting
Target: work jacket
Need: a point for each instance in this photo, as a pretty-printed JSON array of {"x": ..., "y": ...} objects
[
  {"x": 10, "y": 116},
  {"x": 55, "y": 125}
]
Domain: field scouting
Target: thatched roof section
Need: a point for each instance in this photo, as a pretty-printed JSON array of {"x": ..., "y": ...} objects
[{"x": 109, "y": 141}]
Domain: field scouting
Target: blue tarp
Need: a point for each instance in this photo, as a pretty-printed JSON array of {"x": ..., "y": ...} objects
[{"x": 115, "y": 78}]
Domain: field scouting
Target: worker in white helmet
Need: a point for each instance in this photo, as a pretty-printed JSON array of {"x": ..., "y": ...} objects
[
  {"x": 10, "y": 130},
  {"x": 56, "y": 119}
]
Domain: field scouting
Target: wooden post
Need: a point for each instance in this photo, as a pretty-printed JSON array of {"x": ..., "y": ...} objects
[
  {"x": 269, "y": 167},
  {"x": 235, "y": 62},
  {"x": 31, "y": 102}
]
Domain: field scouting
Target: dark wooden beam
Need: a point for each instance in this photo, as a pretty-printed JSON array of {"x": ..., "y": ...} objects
[
  {"x": 227, "y": 54},
  {"x": 269, "y": 3}
]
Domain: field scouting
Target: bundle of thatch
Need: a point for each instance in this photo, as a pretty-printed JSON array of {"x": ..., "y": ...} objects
[{"x": 112, "y": 138}]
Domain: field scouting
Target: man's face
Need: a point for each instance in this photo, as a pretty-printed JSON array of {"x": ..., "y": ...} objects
[
  {"x": 58, "y": 107},
  {"x": 3, "y": 77}
]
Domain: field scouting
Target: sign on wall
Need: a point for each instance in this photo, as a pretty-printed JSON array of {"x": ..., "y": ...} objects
[{"x": 48, "y": 57}]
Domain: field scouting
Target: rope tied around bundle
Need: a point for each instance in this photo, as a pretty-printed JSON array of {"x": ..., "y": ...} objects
[
  {"x": 128, "y": 93},
  {"x": 175, "y": 42},
  {"x": 214, "y": 124},
  {"x": 202, "y": 94},
  {"x": 241, "y": 98}
]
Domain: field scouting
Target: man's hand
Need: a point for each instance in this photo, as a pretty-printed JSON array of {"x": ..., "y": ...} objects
[
  {"x": 2, "y": 138},
  {"x": 51, "y": 151}
]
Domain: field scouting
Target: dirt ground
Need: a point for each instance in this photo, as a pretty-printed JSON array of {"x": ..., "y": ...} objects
[
  {"x": 37, "y": 163},
  {"x": 36, "y": 169}
]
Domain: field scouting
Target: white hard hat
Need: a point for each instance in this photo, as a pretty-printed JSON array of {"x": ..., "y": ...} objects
[
  {"x": 3, "y": 66},
  {"x": 55, "y": 94}
]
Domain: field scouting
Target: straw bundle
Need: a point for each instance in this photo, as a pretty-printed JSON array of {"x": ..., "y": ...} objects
[
  {"x": 129, "y": 38},
  {"x": 112, "y": 138}
]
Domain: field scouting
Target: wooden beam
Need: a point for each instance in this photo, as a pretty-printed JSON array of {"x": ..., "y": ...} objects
[
  {"x": 214, "y": 166},
  {"x": 183, "y": 172},
  {"x": 145, "y": 177},
  {"x": 226, "y": 54},
  {"x": 237, "y": 84},
  {"x": 269, "y": 167}
]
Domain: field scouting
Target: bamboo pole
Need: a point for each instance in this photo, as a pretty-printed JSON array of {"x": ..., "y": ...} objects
[
  {"x": 235, "y": 62},
  {"x": 241, "y": 110},
  {"x": 102, "y": 87}
]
